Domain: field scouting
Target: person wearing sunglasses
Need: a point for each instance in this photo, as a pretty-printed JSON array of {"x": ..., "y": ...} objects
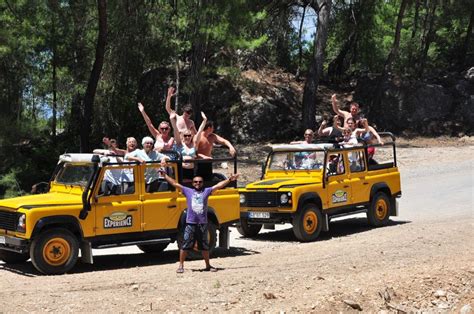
[
  {"x": 308, "y": 137},
  {"x": 186, "y": 144},
  {"x": 183, "y": 122},
  {"x": 195, "y": 229},
  {"x": 163, "y": 140}
]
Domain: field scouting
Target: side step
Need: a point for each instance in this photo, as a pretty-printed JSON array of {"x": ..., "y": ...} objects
[{"x": 154, "y": 241}]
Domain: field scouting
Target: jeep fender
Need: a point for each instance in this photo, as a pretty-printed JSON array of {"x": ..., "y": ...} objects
[
  {"x": 211, "y": 216},
  {"x": 383, "y": 187},
  {"x": 68, "y": 222},
  {"x": 313, "y": 197}
]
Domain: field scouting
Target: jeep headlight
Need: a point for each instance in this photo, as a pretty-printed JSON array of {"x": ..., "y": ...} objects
[
  {"x": 21, "y": 226},
  {"x": 285, "y": 198},
  {"x": 242, "y": 198}
]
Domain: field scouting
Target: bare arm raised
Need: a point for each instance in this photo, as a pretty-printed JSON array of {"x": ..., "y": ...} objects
[
  {"x": 225, "y": 142},
  {"x": 222, "y": 184},
  {"x": 171, "y": 93},
  {"x": 148, "y": 122},
  {"x": 335, "y": 107},
  {"x": 197, "y": 137},
  {"x": 170, "y": 180}
]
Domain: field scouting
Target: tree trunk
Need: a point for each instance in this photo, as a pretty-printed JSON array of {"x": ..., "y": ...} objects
[
  {"x": 55, "y": 92},
  {"x": 300, "y": 44},
  {"x": 465, "y": 46},
  {"x": 427, "y": 38},
  {"x": 86, "y": 125},
  {"x": 415, "y": 18},
  {"x": 396, "y": 42},
  {"x": 322, "y": 9}
]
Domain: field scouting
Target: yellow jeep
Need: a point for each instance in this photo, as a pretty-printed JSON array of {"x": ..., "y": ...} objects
[
  {"x": 307, "y": 185},
  {"x": 100, "y": 202}
]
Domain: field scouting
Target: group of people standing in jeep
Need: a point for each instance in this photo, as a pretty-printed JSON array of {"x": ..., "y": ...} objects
[{"x": 346, "y": 128}]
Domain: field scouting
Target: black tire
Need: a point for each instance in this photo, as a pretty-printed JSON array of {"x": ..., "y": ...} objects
[
  {"x": 248, "y": 230},
  {"x": 212, "y": 236},
  {"x": 153, "y": 248},
  {"x": 54, "y": 251},
  {"x": 379, "y": 210},
  {"x": 308, "y": 223},
  {"x": 12, "y": 257}
]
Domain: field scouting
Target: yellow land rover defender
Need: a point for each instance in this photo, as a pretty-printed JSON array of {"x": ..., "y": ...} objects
[
  {"x": 100, "y": 202},
  {"x": 309, "y": 184}
]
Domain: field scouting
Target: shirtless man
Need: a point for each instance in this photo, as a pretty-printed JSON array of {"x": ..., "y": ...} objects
[
  {"x": 354, "y": 111},
  {"x": 308, "y": 138},
  {"x": 207, "y": 141},
  {"x": 184, "y": 121}
]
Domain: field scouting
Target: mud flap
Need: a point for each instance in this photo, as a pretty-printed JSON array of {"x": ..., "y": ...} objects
[
  {"x": 86, "y": 253},
  {"x": 224, "y": 238},
  {"x": 325, "y": 222}
]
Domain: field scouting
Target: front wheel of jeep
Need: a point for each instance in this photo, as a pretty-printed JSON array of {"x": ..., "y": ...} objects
[
  {"x": 308, "y": 223},
  {"x": 248, "y": 230},
  {"x": 54, "y": 251},
  {"x": 379, "y": 210},
  {"x": 13, "y": 257}
]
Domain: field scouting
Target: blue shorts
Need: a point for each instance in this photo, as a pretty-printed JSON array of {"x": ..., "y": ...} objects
[{"x": 195, "y": 233}]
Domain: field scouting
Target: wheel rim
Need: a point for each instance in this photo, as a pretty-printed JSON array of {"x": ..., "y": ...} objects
[
  {"x": 381, "y": 209},
  {"x": 56, "y": 251},
  {"x": 310, "y": 222}
]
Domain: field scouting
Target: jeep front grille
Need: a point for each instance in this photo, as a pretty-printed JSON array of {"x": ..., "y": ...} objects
[
  {"x": 8, "y": 220},
  {"x": 261, "y": 199}
]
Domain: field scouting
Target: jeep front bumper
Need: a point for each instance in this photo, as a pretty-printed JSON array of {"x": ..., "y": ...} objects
[{"x": 14, "y": 244}]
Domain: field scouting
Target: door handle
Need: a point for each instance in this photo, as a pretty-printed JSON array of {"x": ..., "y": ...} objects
[
  {"x": 171, "y": 206},
  {"x": 365, "y": 183},
  {"x": 346, "y": 186},
  {"x": 132, "y": 210}
]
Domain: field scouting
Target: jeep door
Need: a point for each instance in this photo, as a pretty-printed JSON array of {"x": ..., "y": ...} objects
[
  {"x": 338, "y": 187},
  {"x": 358, "y": 176},
  {"x": 117, "y": 204},
  {"x": 160, "y": 209}
]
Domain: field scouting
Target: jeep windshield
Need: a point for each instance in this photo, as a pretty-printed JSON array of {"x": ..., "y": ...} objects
[
  {"x": 297, "y": 160},
  {"x": 74, "y": 174}
]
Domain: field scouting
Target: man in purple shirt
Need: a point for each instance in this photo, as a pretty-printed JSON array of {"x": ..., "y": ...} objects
[{"x": 196, "y": 217}]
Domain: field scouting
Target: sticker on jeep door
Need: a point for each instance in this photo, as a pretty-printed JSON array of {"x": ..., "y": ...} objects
[
  {"x": 339, "y": 196},
  {"x": 118, "y": 220}
]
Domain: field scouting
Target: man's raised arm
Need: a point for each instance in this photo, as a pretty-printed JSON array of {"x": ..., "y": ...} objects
[
  {"x": 170, "y": 180},
  {"x": 222, "y": 184}
]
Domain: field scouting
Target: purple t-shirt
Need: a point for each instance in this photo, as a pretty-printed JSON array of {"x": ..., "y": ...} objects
[{"x": 197, "y": 205}]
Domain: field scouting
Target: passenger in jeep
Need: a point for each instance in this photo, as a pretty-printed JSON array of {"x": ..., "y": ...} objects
[
  {"x": 196, "y": 216},
  {"x": 183, "y": 121},
  {"x": 308, "y": 137},
  {"x": 333, "y": 131},
  {"x": 354, "y": 112},
  {"x": 163, "y": 140}
]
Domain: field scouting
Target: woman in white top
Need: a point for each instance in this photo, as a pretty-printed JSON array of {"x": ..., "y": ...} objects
[{"x": 187, "y": 144}]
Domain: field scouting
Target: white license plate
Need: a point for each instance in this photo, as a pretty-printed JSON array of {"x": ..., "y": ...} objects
[
  {"x": 2, "y": 240},
  {"x": 264, "y": 215}
]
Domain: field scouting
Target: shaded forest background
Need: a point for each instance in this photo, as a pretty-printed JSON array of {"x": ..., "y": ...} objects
[{"x": 72, "y": 71}]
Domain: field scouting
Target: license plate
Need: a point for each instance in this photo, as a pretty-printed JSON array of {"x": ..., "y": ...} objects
[
  {"x": 2, "y": 240},
  {"x": 261, "y": 215}
]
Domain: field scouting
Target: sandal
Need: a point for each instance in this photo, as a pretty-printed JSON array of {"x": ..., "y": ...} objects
[
  {"x": 180, "y": 270},
  {"x": 211, "y": 269}
]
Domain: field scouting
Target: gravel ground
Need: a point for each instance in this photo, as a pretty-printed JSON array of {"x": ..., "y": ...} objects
[{"x": 421, "y": 262}]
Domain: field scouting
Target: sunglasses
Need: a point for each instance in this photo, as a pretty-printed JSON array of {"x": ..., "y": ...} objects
[
  {"x": 197, "y": 181},
  {"x": 308, "y": 135},
  {"x": 187, "y": 135}
]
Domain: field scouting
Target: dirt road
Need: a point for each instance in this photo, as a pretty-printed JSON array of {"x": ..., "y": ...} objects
[{"x": 422, "y": 261}]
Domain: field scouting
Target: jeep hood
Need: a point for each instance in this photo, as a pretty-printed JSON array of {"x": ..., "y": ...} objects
[
  {"x": 41, "y": 200},
  {"x": 276, "y": 183}
]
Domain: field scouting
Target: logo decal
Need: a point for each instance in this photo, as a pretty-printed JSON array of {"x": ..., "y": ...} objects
[
  {"x": 118, "y": 220},
  {"x": 339, "y": 196}
]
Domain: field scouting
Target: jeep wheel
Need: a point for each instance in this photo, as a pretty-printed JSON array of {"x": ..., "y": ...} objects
[
  {"x": 211, "y": 237},
  {"x": 12, "y": 257},
  {"x": 153, "y": 248},
  {"x": 248, "y": 230},
  {"x": 308, "y": 223},
  {"x": 379, "y": 210},
  {"x": 54, "y": 251}
]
